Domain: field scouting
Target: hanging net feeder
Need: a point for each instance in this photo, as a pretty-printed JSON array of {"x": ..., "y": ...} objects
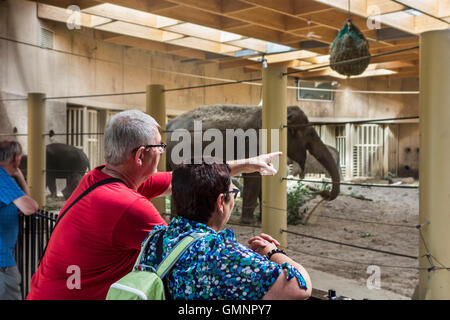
[{"x": 349, "y": 44}]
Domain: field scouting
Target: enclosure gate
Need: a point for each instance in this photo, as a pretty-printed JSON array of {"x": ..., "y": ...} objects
[
  {"x": 82, "y": 132},
  {"x": 75, "y": 126},
  {"x": 368, "y": 151},
  {"x": 341, "y": 148},
  {"x": 92, "y": 147}
]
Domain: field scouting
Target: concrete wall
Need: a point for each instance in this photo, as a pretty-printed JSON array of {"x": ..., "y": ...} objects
[
  {"x": 82, "y": 64},
  {"x": 408, "y": 150},
  {"x": 350, "y": 105}
]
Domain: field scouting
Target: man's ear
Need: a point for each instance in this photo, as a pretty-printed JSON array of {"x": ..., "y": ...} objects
[{"x": 138, "y": 157}]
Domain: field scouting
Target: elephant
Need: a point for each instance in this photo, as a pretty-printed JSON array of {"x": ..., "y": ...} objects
[
  {"x": 62, "y": 162},
  {"x": 312, "y": 165},
  {"x": 301, "y": 137}
]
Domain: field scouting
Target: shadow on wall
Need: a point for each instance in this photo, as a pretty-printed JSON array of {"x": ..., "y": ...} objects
[
  {"x": 409, "y": 164},
  {"x": 5, "y": 123}
]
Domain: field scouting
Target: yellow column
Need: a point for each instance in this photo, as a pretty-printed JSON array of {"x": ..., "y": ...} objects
[
  {"x": 156, "y": 107},
  {"x": 434, "y": 199},
  {"x": 36, "y": 147},
  {"x": 274, "y": 115}
]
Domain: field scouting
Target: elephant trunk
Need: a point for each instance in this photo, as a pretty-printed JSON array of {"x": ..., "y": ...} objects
[{"x": 320, "y": 151}]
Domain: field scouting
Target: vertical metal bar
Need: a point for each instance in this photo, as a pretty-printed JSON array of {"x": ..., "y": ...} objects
[
  {"x": 19, "y": 251},
  {"x": 47, "y": 228},
  {"x": 33, "y": 246},
  {"x": 25, "y": 276},
  {"x": 41, "y": 238}
]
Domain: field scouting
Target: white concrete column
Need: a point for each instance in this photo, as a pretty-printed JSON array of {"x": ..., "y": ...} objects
[
  {"x": 274, "y": 116},
  {"x": 156, "y": 107},
  {"x": 434, "y": 163},
  {"x": 36, "y": 147}
]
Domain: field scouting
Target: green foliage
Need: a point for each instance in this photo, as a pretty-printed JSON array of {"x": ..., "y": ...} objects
[
  {"x": 358, "y": 196},
  {"x": 390, "y": 175},
  {"x": 365, "y": 235},
  {"x": 296, "y": 198},
  {"x": 168, "y": 203}
]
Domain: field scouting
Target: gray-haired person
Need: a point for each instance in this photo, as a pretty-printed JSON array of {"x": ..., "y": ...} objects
[
  {"x": 14, "y": 196},
  {"x": 97, "y": 242}
]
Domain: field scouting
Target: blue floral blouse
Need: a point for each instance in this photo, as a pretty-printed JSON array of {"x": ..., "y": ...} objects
[{"x": 216, "y": 266}]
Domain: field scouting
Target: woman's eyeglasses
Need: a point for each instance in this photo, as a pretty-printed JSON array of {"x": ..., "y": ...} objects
[{"x": 235, "y": 192}]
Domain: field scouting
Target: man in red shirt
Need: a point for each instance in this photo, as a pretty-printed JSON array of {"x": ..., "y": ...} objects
[{"x": 97, "y": 242}]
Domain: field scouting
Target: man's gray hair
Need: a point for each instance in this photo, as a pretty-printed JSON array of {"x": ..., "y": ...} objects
[
  {"x": 126, "y": 131},
  {"x": 8, "y": 149}
]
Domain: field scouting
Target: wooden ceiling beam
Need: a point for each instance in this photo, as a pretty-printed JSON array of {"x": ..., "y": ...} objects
[
  {"x": 394, "y": 48},
  {"x": 156, "y": 46},
  {"x": 281, "y": 6},
  {"x": 402, "y": 75},
  {"x": 193, "y": 15},
  {"x": 262, "y": 13},
  {"x": 375, "y": 7},
  {"x": 395, "y": 57},
  {"x": 436, "y": 8},
  {"x": 153, "y": 6},
  {"x": 396, "y": 64},
  {"x": 230, "y": 6},
  {"x": 318, "y": 33},
  {"x": 213, "y": 6},
  {"x": 238, "y": 63},
  {"x": 262, "y": 17},
  {"x": 257, "y": 32},
  {"x": 82, "y": 4},
  {"x": 303, "y": 8}
]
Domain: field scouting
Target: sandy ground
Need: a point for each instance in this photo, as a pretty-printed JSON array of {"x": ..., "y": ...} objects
[{"x": 387, "y": 206}]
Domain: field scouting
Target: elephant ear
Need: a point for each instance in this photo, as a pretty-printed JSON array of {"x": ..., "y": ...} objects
[{"x": 290, "y": 121}]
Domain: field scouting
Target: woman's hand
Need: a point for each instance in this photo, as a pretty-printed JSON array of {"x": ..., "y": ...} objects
[{"x": 263, "y": 244}]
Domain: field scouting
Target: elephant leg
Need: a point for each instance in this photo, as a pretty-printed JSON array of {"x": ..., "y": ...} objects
[
  {"x": 72, "y": 182},
  {"x": 51, "y": 184},
  {"x": 252, "y": 188}
]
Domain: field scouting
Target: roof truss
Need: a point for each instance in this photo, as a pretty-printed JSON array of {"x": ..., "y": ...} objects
[{"x": 245, "y": 30}]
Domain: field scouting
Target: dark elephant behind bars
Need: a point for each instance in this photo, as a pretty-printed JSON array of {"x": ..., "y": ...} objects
[{"x": 63, "y": 162}]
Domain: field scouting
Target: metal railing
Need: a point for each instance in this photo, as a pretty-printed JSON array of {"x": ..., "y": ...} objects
[{"x": 34, "y": 234}]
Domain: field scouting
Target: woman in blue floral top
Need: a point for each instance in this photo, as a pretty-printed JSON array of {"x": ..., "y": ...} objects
[{"x": 216, "y": 266}]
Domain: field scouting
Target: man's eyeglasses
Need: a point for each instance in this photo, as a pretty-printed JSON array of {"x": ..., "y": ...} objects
[
  {"x": 161, "y": 146},
  {"x": 235, "y": 192}
]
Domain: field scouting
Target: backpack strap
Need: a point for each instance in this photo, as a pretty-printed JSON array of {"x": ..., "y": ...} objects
[
  {"x": 166, "y": 265},
  {"x": 85, "y": 192},
  {"x": 144, "y": 247}
]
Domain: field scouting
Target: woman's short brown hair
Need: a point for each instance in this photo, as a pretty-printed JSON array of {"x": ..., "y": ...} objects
[{"x": 195, "y": 188}]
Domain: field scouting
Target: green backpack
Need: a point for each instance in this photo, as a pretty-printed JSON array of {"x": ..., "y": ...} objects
[{"x": 148, "y": 284}]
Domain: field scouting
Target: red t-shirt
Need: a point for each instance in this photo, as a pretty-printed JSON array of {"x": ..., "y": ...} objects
[{"x": 98, "y": 240}]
